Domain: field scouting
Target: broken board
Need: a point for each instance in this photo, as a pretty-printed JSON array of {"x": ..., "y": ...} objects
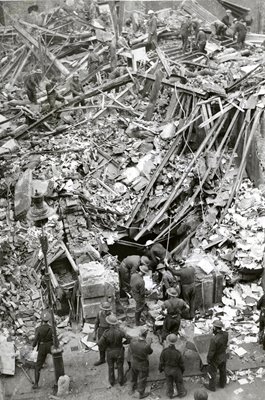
[{"x": 7, "y": 358}]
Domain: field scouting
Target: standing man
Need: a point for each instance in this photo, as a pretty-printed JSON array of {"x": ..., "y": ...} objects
[
  {"x": 92, "y": 60},
  {"x": 261, "y": 307},
  {"x": 130, "y": 265},
  {"x": 44, "y": 341},
  {"x": 152, "y": 30},
  {"x": 52, "y": 94},
  {"x": 240, "y": 30},
  {"x": 112, "y": 342},
  {"x": 227, "y": 19},
  {"x": 31, "y": 82},
  {"x": 138, "y": 291},
  {"x": 76, "y": 88},
  {"x": 187, "y": 284},
  {"x": 201, "y": 40},
  {"x": 216, "y": 357},
  {"x": 172, "y": 363},
  {"x": 101, "y": 326},
  {"x": 175, "y": 308},
  {"x": 248, "y": 19},
  {"x": 185, "y": 32},
  {"x": 157, "y": 253},
  {"x": 139, "y": 351}
]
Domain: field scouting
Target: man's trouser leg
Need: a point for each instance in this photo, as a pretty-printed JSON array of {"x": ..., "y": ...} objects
[
  {"x": 43, "y": 350},
  {"x": 134, "y": 378},
  {"x": 140, "y": 303},
  {"x": 188, "y": 295},
  {"x": 120, "y": 361},
  {"x": 222, "y": 371},
  {"x": 169, "y": 385},
  {"x": 212, "y": 371},
  {"x": 110, "y": 360},
  {"x": 102, "y": 353},
  {"x": 142, "y": 379},
  {"x": 178, "y": 378}
]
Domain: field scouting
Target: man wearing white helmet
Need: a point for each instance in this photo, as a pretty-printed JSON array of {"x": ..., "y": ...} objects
[
  {"x": 152, "y": 30},
  {"x": 216, "y": 357},
  {"x": 43, "y": 340}
]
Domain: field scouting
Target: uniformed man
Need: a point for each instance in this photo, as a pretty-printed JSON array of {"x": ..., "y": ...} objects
[
  {"x": 176, "y": 308},
  {"x": 216, "y": 357},
  {"x": 195, "y": 24},
  {"x": 186, "y": 274},
  {"x": 227, "y": 19},
  {"x": 93, "y": 60},
  {"x": 220, "y": 28},
  {"x": 123, "y": 40},
  {"x": 185, "y": 32},
  {"x": 172, "y": 364},
  {"x": 76, "y": 88},
  {"x": 157, "y": 253},
  {"x": 31, "y": 82},
  {"x": 248, "y": 20},
  {"x": 167, "y": 279},
  {"x": 138, "y": 291},
  {"x": 261, "y": 307},
  {"x": 240, "y": 31},
  {"x": 152, "y": 30},
  {"x": 52, "y": 94},
  {"x": 44, "y": 341},
  {"x": 112, "y": 342},
  {"x": 139, "y": 350},
  {"x": 101, "y": 326},
  {"x": 129, "y": 266},
  {"x": 201, "y": 40}
]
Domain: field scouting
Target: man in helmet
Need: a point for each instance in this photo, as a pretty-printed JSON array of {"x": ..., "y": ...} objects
[
  {"x": 43, "y": 340},
  {"x": 76, "y": 88},
  {"x": 220, "y": 28},
  {"x": 216, "y": 357},
  {"x": 112, "y": 342},
  {"x": 31, "y": 82},
  {"x": 123, "y": 40},
  {"x": 172, "y": 364},
  {"x": 129, "y": 266},
  {"x": 201, "y": 40},
  {"x": 185, "y": 32},
  {"x": 240, "y": 32},
  {"x": 93, "y": 61},
  {"x": 52, "y": 94},
  {"x": 157, "y": 254},
  {"x": 186, "y": 275},
  {"x": 200, "y": 394},
  {"x": 139, "y": 351},
  {"x": 101, "y": 326},
  {"x": 228, "y": 18},
  {"x": 176, "y": 308},
  {"x": 152, "y": 30},
  {"x": 138, "y": 291}
]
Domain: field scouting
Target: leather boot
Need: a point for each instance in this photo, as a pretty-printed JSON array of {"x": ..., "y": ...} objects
[{"x": 101, "y": 359}]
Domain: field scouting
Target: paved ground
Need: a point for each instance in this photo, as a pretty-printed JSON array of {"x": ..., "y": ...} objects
[{"x": 90, "y": 383}]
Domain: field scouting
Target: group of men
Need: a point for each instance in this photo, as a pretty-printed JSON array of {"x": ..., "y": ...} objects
[{"x": 111, "y": 340}]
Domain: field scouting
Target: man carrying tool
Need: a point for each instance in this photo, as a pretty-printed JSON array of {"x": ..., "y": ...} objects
[
  {"x": 175, "y": 308},
  {"x": 220, "y": 28},
  {"x": 52, "y": 94},
  {"x": 101, "y": 326},
  {"x": 112, "y": 342},
  {"x": 76, "y": 88},
  {"x": 261, "y": 307},
  {"x": 216, "y": 357},
  {"x": 152, "y": 31},
  {"x": 167, "y": 280},
  {"x": 172, "y": 363},
  {"x": 31, "y": 82},
  {"x": 186, "y": 274},
  {"x": 44, "y": 341},
  {"x": 129, "y": 266},
  {"x": 138, "y": 291},
  {"x": 157, "y": 254},
  {"x": 139, "y": 350}
]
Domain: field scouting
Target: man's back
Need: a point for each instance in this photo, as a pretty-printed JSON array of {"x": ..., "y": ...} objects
[{"x": 140, "y": 351}]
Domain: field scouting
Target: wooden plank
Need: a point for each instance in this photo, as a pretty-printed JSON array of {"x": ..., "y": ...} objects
[
  {"x": 7, "y": 358},
  {"x": 163, "y": 60},
  {"x": 154, "y": 96},
  {"x": 120, "y": 96},
  {"x": 172, "y": 107}
]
